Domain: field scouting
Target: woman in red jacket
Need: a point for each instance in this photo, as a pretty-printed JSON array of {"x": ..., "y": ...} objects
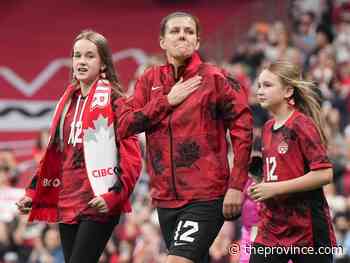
[
  {"x": 87, "y": 173},
  {"x": 186, "y": 107}
]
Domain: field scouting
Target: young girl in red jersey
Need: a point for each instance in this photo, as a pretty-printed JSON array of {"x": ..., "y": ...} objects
[
  {"x": 295, "y": 221},
  {"x": 87, "y": 172}
]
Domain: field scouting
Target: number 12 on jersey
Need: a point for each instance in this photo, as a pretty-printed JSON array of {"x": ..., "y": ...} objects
[{"x": 271, "y": 169}]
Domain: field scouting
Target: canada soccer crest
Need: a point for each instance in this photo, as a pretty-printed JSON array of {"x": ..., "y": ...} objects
[{"x": 282, "y": 148}]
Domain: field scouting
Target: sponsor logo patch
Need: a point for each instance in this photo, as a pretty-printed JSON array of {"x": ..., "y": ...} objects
[
  {"x": 104, "y": 172},
  {"x": 156, "y": 88},
  {"x": 51, "y": 182}
]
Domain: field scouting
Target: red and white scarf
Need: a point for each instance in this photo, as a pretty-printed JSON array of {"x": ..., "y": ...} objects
[{"x": 100, "y": 151}]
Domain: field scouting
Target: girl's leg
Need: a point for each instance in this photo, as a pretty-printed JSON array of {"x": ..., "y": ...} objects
[
  {"x": 91, "y": 240},
  {"x": 68, "y": 233}
]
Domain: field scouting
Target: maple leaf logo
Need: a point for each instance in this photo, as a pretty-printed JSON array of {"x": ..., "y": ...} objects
[{"x": 102, "y": 131}]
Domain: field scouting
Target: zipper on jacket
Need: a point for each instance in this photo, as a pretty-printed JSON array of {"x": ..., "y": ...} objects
[{"x": 171, "y": 157}]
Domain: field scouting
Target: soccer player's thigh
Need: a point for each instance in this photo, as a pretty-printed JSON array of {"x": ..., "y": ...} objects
[
  {"x": 197, "y": 227},
  {"x": 167, "y": 220}
]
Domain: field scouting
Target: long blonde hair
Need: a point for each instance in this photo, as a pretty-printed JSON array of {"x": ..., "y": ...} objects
[
  {"x": 106, "y": 57},
  {"x": 304, "y": 95}
]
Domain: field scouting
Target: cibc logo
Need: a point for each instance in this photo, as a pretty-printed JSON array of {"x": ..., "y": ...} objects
[
  {"x": 104, "y": 172},
  {"x": 51, "y": 182}
]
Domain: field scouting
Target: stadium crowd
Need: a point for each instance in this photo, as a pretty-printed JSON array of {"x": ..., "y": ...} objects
[{"x": 316, "y": 37}]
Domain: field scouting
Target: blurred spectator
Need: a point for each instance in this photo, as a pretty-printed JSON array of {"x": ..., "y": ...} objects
[
  {"x": 51, "y": 241},
  {"x": 341, "y": 11},
  {"x": 342, "y": 40},
  {"x": 10, "y": 257},
  {"x": 345, "y": 180},
  {"x": 341, "y": 225},
  {"x": 305, "y": 37},
  {"x": 137, "y": 238},
  {"x": 239, "y": 72},
  {"x": 110, "y": 254},
  {"x": 8, "y": 168},
  {"x": 6, "y": 243},
  {"x": 337, "y": 203},
  {"x": 152, "y": 60},
  {"x": 47, "y": 247},
  {"x": 323, "y": 72},
  {"x": 251, "y": 52},
  {"x": 324, "y": 39},
  {"x": 40, "y": 145},
  {"x": 149, "y": 247},
  {"x": 279, "y": 42},
  {"x": 293, "y": 55},
  {"x": 27, "y": 168}
]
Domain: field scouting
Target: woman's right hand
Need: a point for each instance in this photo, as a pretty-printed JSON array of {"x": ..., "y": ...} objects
[
  {"x": 182, "y": 89},
  {"x": 24, "y": 204}
]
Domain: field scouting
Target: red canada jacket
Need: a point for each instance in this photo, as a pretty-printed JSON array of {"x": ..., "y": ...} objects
[
  {"x": 129, "y": 164},
  {"x": 186, "y": 145}
]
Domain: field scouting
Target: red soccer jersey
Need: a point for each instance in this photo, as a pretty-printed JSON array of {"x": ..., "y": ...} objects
[
  {"x": 297, "y": 219},
  {"x": 76, "y": 191}
]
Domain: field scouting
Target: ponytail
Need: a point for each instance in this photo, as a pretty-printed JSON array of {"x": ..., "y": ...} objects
[{"x": 305, "y": 97}]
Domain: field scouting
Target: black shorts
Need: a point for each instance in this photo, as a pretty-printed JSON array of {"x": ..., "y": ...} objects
[
  {"x": 284, "y": 258},
  {"x": 190, "y": 230}
]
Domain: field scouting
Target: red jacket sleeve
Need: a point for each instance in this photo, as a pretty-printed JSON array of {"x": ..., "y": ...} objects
[
  {"x": 130, "y": 168},
  {"x": 239, "y": 121},
  {"x": 138, "y": 113}
]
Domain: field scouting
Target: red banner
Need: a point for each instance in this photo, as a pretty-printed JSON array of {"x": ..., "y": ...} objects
[{"x": 36, "y": 45}]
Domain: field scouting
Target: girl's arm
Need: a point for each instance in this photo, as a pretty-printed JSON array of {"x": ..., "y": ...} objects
[
  {"x": 130, "y": 168},
  {"x": 310, "y": 181},
  {"x": 315, "y": 156},
  {"x": 24, "y": 204}
]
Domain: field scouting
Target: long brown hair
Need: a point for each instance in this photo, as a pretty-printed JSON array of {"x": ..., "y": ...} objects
[
  {"x": 305, "y": 97},
  {"x": 106, "y": 58}
]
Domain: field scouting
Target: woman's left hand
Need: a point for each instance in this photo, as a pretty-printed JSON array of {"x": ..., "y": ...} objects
[
  {"x": 99, "y": 203},
  {"x": 263, "y": 191}
]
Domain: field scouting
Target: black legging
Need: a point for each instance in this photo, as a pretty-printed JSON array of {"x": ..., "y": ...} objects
[{"x": 85, "y": 242}]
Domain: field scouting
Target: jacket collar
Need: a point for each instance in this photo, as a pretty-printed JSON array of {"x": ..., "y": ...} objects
[{"x": 188, "y": 69}]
